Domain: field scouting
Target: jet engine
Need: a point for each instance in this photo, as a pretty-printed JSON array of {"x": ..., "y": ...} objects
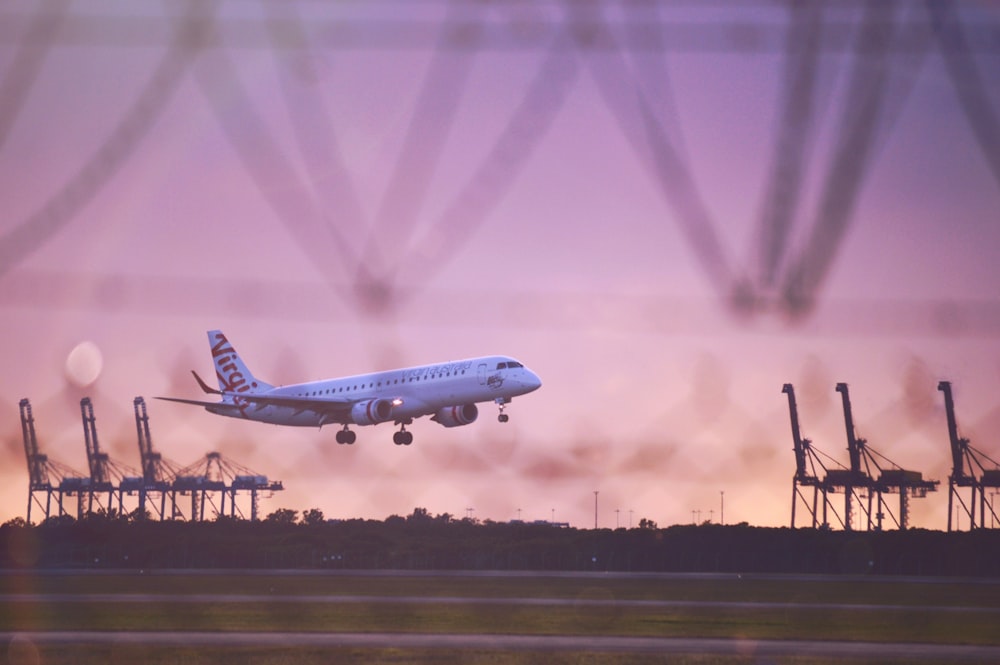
[
  {"x": 455, "y": 416},
  {"x": 371, "y": 411}
]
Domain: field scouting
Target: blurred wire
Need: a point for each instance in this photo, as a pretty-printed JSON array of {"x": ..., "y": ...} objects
[
  {"x": 623, "y": 52},
  {"x": 29, "y": 55},
  {"x": 539, "y": 309},
  {"x": 331, "y": 182},
  {"x": 727, "y": 31},
  {"x": 271, "y": 170},
  {"x": 969, "y": 85},
  {"x": 851, "y": 160},
  {"x": 479, "y": 195},
  {"x": 641, "y": 125},
  {"x": 121, "y": 143},
  {"x": 433, "y": 117},
  {"x": 784, "y": 185}
]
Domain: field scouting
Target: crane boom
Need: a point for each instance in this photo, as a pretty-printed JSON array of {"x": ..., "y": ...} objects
[
  {"x": 959, "y": 446},
  {"x": 95, "y": 458},
  {"x": 37, "y": 463},
  {"x": 799, "y": 443},
  {"x": 854, "y": 444}
]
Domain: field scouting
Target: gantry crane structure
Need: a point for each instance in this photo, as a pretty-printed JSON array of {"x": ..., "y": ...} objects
[
  {"x": 157, "y": 473},
  {"x": 856, "y": 482},
  {"x": 807, "y": 465},
  {"x": 106, "y": 476},
  {"x": 967, "y": 462},
  {"x": 210, "y": 481},
  {"x": 214, "y": 477},
  {"x": 873, "y": 488},
  {"x": 42, "y": 472}
]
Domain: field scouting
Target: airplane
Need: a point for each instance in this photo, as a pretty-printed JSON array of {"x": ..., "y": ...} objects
[{"x": 447, "y": 392}]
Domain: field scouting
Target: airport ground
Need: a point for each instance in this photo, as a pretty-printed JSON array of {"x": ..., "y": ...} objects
[{"x": 220, "y": 616}]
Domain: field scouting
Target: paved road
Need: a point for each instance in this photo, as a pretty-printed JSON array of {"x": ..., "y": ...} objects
[
  {"x": 653, "y": 645},
  {"x": 215, "y": 598}
]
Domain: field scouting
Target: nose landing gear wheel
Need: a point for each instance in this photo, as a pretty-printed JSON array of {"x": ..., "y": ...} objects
[{"x": 501, "y": 402}]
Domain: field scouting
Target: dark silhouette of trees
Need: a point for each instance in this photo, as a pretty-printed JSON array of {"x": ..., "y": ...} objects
[
  {"x": 313, "y": 516},
  {"x": 424, "y": 541},
  {"x": 282, "y": 516}
]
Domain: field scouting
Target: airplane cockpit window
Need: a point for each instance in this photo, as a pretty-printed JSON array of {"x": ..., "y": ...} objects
[
  {"x": 501, "y": 365},
  {"x": 513, "y": 364}
]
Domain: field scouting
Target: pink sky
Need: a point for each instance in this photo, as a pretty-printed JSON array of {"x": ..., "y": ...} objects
[{"x": 567, "y": 254}]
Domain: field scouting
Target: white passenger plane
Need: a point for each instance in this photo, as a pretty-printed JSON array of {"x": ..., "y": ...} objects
[{"x": 447, "y": 392}]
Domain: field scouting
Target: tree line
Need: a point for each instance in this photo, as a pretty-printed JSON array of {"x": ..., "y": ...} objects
[{"x": 288, "y": 539}]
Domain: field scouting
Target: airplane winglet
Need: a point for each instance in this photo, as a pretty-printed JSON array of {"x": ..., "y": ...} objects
[{"x": 204, "y": 386}]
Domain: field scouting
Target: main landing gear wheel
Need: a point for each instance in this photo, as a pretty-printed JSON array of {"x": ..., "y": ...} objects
[
  {"x": 402, "y": 438},
  {"x": 346, "y": 436}
]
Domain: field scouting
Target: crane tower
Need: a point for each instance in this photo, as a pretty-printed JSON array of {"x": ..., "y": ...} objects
[
  {"x": 157, "y": 473},
  {"x": 966, "y": 463},
  {"x": 888, "y": 481},
  {"x": 806, "y": 463},
  {"x": 42, "y": 471}
]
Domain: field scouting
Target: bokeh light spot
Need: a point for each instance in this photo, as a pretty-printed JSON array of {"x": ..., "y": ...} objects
[{"x": 84, "y": 364}]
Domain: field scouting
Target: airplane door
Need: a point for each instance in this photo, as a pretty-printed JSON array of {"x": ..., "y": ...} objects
[{"x": 482, "y": 374}]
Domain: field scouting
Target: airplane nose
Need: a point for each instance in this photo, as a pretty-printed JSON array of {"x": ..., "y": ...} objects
[{"x": 531, "y": 380}]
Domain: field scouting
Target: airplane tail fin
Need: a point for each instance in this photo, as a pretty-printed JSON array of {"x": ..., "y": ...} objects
[{"x": 232, "y": 372}]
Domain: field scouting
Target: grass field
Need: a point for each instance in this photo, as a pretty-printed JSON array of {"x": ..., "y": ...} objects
[{"x": 881, "y": 610}]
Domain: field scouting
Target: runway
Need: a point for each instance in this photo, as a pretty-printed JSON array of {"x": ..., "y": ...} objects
[
  {"x": 559, "y": 639},
  {"x": 216, "y": 598},
  {"x": 604, "y": 644}
]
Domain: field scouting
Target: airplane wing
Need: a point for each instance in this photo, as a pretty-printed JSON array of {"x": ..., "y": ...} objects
[
  {"x": 188, "y": 401},
  {"x": 322, "y": 404},
  {"x": 335, "y": 411},
  {"x": 337, "y": 408}
]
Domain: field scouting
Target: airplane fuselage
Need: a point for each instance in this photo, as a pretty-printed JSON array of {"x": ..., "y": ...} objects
[{"x": 421, "y": 391}]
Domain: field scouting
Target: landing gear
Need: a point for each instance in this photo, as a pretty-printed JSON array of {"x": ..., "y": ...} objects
[
  {"x": 502, "y": 402},
  {"x": 346, "y": 436},
  {"x": 402, "y": 437}
]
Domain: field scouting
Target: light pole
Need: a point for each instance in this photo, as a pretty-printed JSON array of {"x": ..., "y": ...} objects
[
  {"x": 722, "y": 507},
  {"x": 617, "y": 525},
  {"x": 595, "y": 508}
]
